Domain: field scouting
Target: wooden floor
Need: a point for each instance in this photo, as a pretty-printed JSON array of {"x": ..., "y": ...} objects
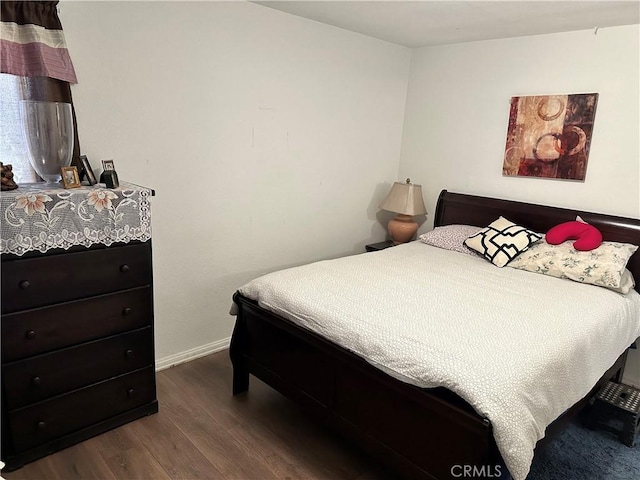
[{"x": 203, "y": 432}]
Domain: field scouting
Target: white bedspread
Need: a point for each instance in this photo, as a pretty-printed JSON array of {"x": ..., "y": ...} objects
[{"x": 519, "y": 347}]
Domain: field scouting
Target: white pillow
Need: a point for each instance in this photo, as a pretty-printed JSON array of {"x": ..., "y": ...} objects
[{"x": 502, "y": 241}]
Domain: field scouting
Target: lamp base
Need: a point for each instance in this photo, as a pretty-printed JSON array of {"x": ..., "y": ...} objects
[{"x": 402, "y": 228}]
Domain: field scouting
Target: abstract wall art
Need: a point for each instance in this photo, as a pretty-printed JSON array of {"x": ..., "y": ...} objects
[{"x": 549, "y": 136}]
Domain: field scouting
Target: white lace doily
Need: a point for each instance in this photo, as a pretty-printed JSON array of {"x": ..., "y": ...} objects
[{"x": 41, "y": 217}]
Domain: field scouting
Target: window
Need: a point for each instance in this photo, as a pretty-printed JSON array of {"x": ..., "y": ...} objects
[
  {"x": 38, "y": 66},
  {"x": 13, "y": 149}
]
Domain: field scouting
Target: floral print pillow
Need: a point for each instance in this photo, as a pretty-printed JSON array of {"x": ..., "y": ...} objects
[{"x": 604, "y": 266}]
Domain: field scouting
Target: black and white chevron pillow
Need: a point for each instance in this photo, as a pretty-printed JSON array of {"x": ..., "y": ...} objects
[{"x": 502, "y": 241}]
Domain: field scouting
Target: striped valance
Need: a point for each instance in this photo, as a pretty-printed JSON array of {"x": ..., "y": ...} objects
[{"x": 32, "y": 43}]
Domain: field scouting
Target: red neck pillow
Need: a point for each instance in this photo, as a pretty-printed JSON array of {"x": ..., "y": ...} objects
[{"x": 588, "y": 237}]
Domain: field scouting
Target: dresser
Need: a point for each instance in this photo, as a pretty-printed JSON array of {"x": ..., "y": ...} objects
[{"x": 77, "y": 324}]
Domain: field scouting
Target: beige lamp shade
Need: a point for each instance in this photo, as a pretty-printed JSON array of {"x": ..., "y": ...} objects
[{"x": 405, "y": 199}]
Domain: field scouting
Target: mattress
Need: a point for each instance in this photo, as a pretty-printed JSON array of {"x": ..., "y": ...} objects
[{"x": 519, "y": 347}]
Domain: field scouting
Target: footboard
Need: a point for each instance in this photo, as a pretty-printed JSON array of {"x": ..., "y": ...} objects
[{"x": 421, "y": 433}]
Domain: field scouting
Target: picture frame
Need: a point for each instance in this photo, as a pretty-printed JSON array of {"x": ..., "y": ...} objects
[
  {"x": 70, "y": 177},
  {"x": 108, "y": 165},
  {"x": 87, "y": 170}
]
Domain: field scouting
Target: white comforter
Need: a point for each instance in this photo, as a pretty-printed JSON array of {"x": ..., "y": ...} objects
[{"x": 519, "y": 347}]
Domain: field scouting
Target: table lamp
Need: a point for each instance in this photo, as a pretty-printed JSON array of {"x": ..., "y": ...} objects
[{"x": 405, "y": 199}]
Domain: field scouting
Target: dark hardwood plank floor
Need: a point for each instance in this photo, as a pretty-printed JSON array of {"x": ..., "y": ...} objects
[{"x": 203, "y": 432}]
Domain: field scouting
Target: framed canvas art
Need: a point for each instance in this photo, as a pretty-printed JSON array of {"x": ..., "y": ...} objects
[{"x": 549, "y": 136}]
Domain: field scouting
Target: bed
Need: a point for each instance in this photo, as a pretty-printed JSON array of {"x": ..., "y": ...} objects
[{"x": 420, "y": 430}]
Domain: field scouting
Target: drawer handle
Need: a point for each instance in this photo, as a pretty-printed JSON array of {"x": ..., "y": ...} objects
[
  {"x": 130, "y": 392},
  {"x": 30, "y": 334},
  {"x": 24, "y": 284},
  {"x": 36, "y": 381},
  {"x": 129, "y": 353},
  {"x": 126, "y": 311},
  {"x": 124, "y": 268},
  {"x": 42, "y": 425}
]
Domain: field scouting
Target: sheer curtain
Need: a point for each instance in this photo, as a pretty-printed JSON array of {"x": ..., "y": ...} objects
[{"x": 34, "y": 65}]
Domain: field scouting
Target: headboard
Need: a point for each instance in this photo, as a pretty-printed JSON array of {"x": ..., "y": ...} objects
[{"x": 458, "y": 208}]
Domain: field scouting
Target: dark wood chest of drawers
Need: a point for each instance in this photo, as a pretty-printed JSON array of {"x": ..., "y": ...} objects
[{"x": 77, "y": 346}]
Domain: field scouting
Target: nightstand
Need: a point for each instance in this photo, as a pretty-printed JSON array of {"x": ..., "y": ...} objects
[{"x": 374, "y": 247}]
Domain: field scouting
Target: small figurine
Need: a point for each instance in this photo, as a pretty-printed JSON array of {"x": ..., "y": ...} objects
[{"x": 6, "y": 177}]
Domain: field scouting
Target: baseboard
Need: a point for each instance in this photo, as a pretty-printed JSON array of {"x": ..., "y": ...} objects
[{"x": 188, "y": 355}]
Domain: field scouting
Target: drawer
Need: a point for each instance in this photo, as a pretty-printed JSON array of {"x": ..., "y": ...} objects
[
  {"x": 43, "y": 376},
  {"x": 35, "y": 282},
  {"x": 48, "y": 420},
  {"x": 45, "y": 329}
]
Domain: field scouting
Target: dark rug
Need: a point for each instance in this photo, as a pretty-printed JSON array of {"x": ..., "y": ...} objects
[{"x": 582, "y": 454}]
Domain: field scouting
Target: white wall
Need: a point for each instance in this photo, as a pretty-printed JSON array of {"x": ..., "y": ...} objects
[
  {"x": 458, "y": 106},
  {"x": 268, "y": 138},
  {"x": 457, "y": 113}
]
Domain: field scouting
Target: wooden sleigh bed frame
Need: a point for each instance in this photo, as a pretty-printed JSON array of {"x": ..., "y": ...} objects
[{"x": 419, "y": 433}]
